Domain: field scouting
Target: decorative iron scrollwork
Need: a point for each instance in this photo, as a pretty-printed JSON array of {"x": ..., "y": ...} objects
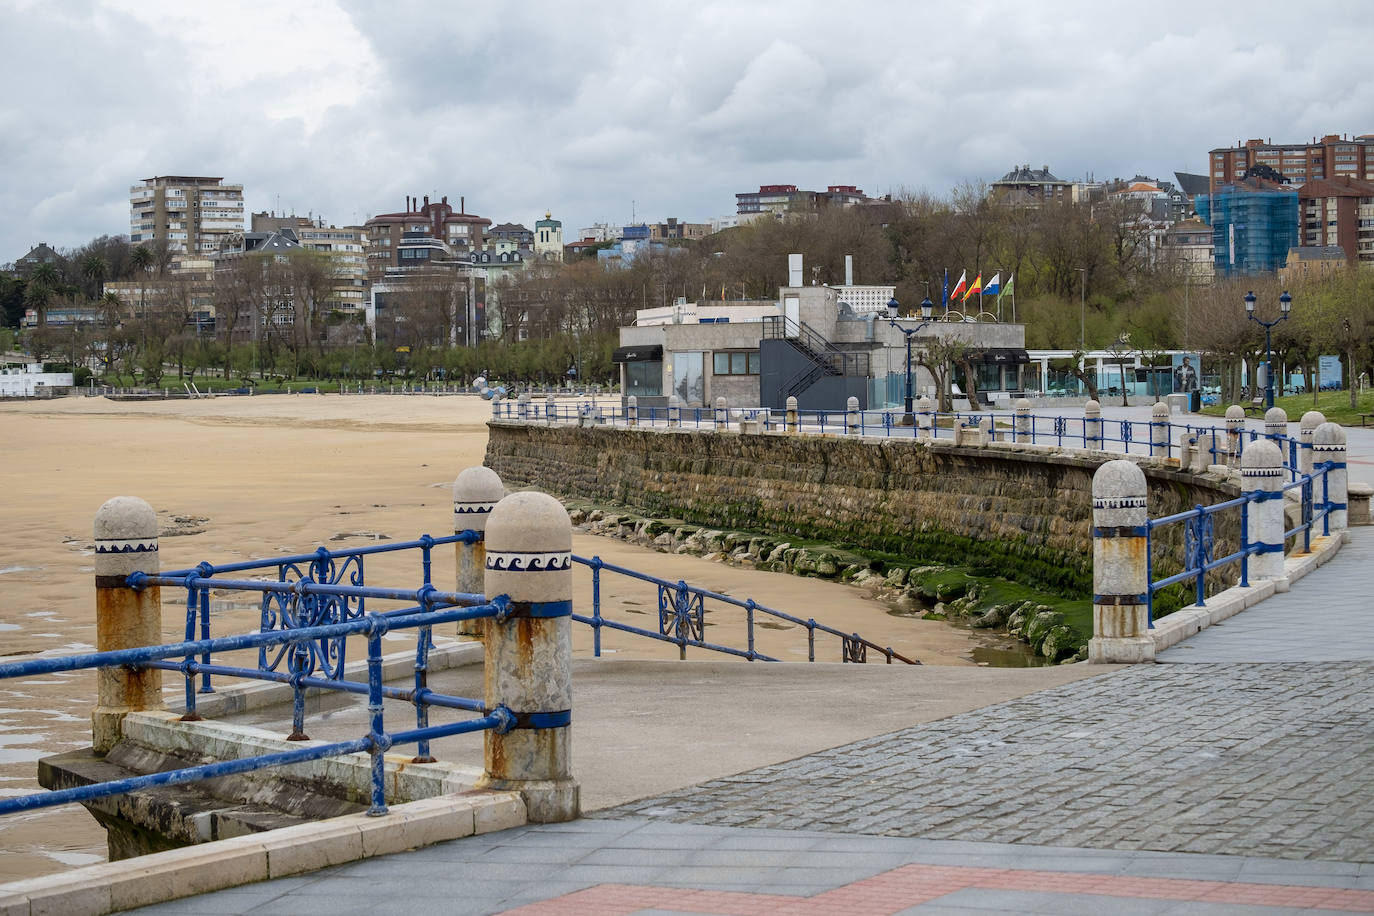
[
  {"x": 681, "y": 613},
  {"x": 855, "y": 650}
]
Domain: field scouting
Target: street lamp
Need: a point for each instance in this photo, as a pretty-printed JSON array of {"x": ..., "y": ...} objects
[
  {"x": 927, "y": 307},
  {"x": 1285, "y": 303}
]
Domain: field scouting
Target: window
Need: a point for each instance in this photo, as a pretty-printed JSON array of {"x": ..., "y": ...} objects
[
  {"x": 740, "y": 363},
  {"x": 644, "y": 379}
]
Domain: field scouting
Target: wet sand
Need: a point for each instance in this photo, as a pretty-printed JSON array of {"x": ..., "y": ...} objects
[{"x": 236, "y": 478}]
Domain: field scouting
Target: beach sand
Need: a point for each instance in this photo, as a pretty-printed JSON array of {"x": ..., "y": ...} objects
[{"x": 236, "y": 478}]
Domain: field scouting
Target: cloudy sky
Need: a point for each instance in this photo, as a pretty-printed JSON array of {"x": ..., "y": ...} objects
[{"x": 601, "y": 112}]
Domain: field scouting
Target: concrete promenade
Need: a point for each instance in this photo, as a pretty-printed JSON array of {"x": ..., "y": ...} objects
[{"x": 1232, "y": 777}]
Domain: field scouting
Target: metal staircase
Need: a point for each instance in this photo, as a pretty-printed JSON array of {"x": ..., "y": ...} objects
[{"x": 823, "y": 357}]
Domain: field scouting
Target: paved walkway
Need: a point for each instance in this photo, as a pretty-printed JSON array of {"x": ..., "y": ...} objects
[{"x": 1232, "y": 778}]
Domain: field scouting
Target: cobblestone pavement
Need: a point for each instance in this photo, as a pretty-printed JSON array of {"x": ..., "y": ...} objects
[{"x": 1262, "y": 760}]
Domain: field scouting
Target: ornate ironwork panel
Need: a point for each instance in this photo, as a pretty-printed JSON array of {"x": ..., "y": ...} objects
[
  {"x": 681, "y": 613},
  {"x": 288, "y": 611},
  {"x": 1197, "y": 542},
  {"x": 855, "y": 651}
]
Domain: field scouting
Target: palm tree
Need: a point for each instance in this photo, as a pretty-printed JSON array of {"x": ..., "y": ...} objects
[
  {"x": 142, "y": 261},
  {"x": 43, "y": 281},
  {"x": 94, "y": 268},
  {"x": 113, "y": 307}
]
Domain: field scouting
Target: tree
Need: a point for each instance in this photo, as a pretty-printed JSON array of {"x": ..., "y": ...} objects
[
  {"x": 94, "y": 268},
  {"x": 141, "y": 262},
  {"x": 111, "y": 308},
  {"x": 939, "y": 355}
]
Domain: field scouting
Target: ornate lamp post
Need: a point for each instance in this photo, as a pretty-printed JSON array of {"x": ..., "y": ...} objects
[
  {"x": 1285, "y": 303},
  {"x": 927, "y": 307}
]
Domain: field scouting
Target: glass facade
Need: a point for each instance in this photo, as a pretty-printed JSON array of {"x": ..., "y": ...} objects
[{"x": 1252, "y": 230}]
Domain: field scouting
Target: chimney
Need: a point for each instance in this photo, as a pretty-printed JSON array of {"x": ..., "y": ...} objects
[
  {"x": 849, "y": 270},
  {"x": 426, "y": 200},
  {"x": 462, "y": 204},
  {"x": 794, "y": 270}
]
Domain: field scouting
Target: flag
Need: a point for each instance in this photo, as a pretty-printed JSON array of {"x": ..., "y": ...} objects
[
  {"x": 958, "y": 287},
  {"x": 994, "y": 285},
  {"x": 977, "y": 287},
  {"x": 944, "y": 297},
  {"x": 1011, "y": 285}
]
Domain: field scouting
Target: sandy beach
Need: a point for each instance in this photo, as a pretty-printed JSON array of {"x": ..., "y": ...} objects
[{"x": 236, "y": 478}]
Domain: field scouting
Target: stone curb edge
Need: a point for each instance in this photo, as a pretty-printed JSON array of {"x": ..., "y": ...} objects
[{"x": 113, "y": 886}]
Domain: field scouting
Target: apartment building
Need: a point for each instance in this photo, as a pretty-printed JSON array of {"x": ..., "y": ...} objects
[
  {"x": 345, "y": 246},
  {"x": 775, "y": 201},
  {"x": 1339, "y": 213},
  {"x": 189, "y": 214},
  {"x": 422, "y": 232},
  {"x": 1333, "y": 156}
]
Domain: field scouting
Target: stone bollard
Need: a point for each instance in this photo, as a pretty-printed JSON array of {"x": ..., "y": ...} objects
[
  {"x": 722, "y": 415},
  {"x": 1261, "y": 474},
  {"x": 125, "y": 543},
  {"x": 1159, "y": 431},
  {"x": 790, "y": 419},
  {"x": 1235, "y": 425},
  {"x": 674, "y": 411},
  {"x": 1210, "y": 451},
  {"x": 986, "y": 434},
  {"x": 632, "y": 411},
  {"x": 476, "y": 491},
  {"x": 1328, "y": 447},
  {"x": 529, "y": 655},
  {"x": 1120, "y": 571},
  {"x": 1306, "y": 427},
  {"x": 851, "y": 417},
  {"x": 1022, "y": 410},
  {"x": 1092, "y": 426},
  {"x": 923, "y": 417},
  {"x": 550, "y": 410},
  {"x": 522, "y": 406},
  {"x": 1275, "y": 424}
]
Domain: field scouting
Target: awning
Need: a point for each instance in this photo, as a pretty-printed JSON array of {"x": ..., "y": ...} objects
[
  {"x": 644, "y": 353},
  {"x": 1002, "y": 356}
]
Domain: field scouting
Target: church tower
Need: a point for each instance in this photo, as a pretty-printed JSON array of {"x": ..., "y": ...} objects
[{"x": 548, "y": 238}]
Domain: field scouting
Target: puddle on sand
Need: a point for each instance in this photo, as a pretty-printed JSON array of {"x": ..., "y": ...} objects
[
  {"x": 995, "y": 650},
  {"x": 15, "y": 569}
]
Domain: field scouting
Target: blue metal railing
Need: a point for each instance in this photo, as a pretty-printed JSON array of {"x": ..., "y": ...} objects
[
  {"x": 681, "y": 620},
  {"x": 1199, "y": 533},
  {"x": 1115, "y": 435},
  {"x": 309, "y": 607},
  {"x": 376, "y": 742}
]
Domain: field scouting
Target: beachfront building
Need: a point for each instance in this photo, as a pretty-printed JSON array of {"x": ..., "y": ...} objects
[
  {"x": 185, "y": 213},
  {"x": 345, "y": 246},
  {"x": 420, "y": 233},
  {"x": 805, "y": 344}
]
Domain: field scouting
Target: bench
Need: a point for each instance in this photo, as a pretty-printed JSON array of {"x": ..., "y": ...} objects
[
  {"x": 1365, "y": 418},
  {"x": 1256, "y": 406}
]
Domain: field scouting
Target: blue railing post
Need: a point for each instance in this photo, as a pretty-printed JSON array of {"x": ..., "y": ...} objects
[
  {"x": 596, "y": 565},
  {"x": 528, "y": 654},
  {"x": 204, "y": 634},
  {"x": 380, "y": 743},
  {"x": 1121, "y": 581},
  {"x": 127, "y": 615}
]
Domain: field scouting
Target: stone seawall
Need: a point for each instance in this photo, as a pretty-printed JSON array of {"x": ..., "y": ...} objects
[{"x": 1023, "y": 510}]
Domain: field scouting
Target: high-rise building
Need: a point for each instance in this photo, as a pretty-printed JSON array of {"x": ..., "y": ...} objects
[
  {"x": 1333, "y": 156},
  {"x": 1339, "y": 212},
  {"x": 187, "y": 213}
]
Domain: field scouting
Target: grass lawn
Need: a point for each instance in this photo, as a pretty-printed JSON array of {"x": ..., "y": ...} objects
[{"x": 1334, "y": 405}]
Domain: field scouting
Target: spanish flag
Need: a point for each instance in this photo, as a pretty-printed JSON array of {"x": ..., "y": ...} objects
[{"x": 976, "y": 288}]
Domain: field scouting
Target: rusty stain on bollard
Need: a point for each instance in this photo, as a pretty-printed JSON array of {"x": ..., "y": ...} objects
[
  {"x": 476, "y": 491},
  {"x": 528, "y": 657},
  {"x": 1120, "y": 566},
  {"x": 125, "y": 543}
]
